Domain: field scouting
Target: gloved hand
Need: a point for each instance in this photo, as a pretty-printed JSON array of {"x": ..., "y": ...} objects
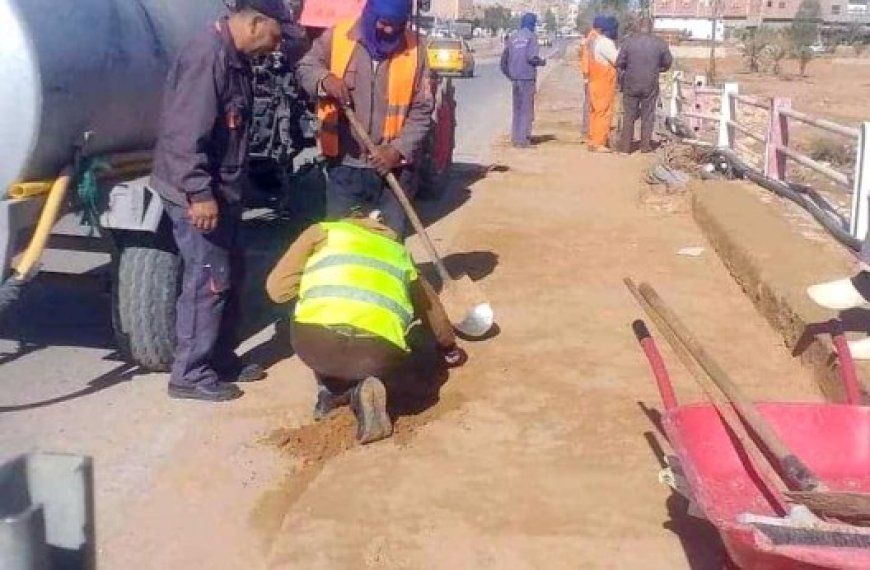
[
  {"x": 453, "y": 356},
  {"x": 336, "y": 88},
  {"x": 386, "y": 158}
]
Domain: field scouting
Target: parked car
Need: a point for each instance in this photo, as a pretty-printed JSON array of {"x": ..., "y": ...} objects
[
  {"x": 450, "y": 55},
  {"x": 545, "y": 39}
]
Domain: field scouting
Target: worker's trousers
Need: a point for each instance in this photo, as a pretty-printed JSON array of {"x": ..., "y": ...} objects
[
  {"x": 341, "y": 356},
  {"x": 350, "y": 187},
  {"x": 634, "y": 107},
  {"x": 524, "y": 111},
  {"x": 208, "y": 306}
]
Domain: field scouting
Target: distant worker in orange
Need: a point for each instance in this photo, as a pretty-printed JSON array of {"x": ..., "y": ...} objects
[
  {"x": 602, "y": 81},
  {"x": 586, "y": 42}
]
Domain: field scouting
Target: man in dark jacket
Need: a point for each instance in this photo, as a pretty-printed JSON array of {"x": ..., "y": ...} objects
[
  {"x": 642, "y": 57},
  {"x": 200, "y": 162},
  {"x": 520, "y": 62}
]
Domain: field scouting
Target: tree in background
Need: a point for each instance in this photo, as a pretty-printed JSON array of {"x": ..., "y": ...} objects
[
  {"x": 550, "y": 20},
  {"x": 496, "y": 18},
  {"x": 623, "y": 10},
  {"x": 755, "y": 41},
  {"x": 804, "y": 32}
]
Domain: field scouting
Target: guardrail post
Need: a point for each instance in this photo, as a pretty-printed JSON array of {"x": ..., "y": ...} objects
[
  {"x": 696, "y": 102},
  {"x": 777, "y": 135},
  {"x": 860, "y": 220},
  {"x": 728, "y": 114},
  {"x": 676, "y": 104}
]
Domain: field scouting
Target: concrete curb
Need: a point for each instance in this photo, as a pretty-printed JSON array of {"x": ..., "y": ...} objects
[{"x": 773, "y": 263}]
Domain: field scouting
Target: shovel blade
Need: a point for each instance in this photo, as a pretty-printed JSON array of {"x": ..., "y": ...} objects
[{"x": 469, "y": 312}]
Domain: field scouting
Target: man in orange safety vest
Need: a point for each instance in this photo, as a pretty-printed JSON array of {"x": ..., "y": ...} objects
[{"x": 375, "y": 64}]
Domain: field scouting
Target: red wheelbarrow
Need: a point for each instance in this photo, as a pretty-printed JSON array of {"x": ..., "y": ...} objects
[{"x": 713, "y": 471}]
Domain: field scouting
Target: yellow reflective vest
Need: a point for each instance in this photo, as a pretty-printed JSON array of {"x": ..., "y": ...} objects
[{"x": 359, "y": 278}]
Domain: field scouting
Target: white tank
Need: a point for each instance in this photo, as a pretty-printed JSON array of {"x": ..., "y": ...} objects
[{"x": 72, "y": 66}]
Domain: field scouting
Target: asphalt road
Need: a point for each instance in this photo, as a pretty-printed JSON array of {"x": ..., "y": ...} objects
[{"x": 62, "y": 385}]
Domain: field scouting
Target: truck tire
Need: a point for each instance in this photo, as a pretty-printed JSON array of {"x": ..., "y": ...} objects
[{"x": 145, "y": 288}]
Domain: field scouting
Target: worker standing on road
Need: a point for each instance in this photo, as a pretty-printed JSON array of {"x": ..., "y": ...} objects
[
  {"x": 375, "y": 65},
  {"x": 520, "y": 62},
  {"x": 199, "y": 164},
  {"x": 585, "y": 45},
  {"x": 602, "y": 82},
  {"x": 358, "y": 292},
  {"x": 641, "y": 58}
]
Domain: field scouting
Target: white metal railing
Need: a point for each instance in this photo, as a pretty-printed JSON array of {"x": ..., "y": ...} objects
[{"x": 696, "y": 101}]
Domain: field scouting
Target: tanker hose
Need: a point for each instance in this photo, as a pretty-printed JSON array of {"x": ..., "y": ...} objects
[{"x": 10, "y": 290}]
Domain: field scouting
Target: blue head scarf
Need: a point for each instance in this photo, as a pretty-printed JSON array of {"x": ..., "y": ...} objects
[
  {"x": 396, "y": 12},
  {"x": 610, "y": 27},
  {"x": 528, "y": 21},
  {"x": 599, "y": 22}
]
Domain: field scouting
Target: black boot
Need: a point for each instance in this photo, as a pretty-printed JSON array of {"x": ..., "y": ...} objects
[
  {"x": 368, "y": 400},
  {"x": 328, "y": 401}
]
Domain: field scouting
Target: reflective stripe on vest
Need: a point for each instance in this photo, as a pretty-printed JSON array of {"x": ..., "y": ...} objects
[
  {"x": 358, "y": 278},
  {"x": 400, "y": 87}
]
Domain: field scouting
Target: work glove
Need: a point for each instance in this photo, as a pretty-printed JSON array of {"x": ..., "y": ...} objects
[
  {"x": 453, "y": 356},
  {"x": 385, "y": 159},
  {"x": 335, "y": 87}
]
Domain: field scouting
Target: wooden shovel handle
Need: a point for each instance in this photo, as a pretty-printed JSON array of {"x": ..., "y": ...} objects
[
  {"x": 791, "y": 464},
  {"x": 397, "y": 189}
]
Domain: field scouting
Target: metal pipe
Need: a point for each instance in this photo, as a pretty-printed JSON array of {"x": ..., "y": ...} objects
[
  {"x": 745, "y": 130},
  {"x": 834, "y": 175},
  {"x": 836, "y": 128}
]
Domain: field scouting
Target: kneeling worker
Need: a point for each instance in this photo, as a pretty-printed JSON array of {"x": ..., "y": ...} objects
[{"x": 357, "y": 293}]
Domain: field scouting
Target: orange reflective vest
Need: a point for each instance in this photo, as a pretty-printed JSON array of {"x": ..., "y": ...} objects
[{"x": 400, "y": 87}]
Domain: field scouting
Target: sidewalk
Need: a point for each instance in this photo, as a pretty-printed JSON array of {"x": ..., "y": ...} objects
[{"x": 537, "y": 455}]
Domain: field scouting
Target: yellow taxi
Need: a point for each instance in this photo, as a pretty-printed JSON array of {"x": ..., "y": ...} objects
[{"x": 450, "y": 55}]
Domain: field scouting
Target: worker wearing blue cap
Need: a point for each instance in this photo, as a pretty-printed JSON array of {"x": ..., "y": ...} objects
[
  {"x": 520, "y": 62},
  {"x": 375, "y": 65},
  {"x": 200, "y": 162}
]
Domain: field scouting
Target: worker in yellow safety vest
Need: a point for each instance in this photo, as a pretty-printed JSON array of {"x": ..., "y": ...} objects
[
  {"x": 357, "y": 294},
  {"x": 374, "y": 64}
]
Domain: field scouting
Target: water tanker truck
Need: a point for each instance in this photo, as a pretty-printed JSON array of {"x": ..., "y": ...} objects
[{"x": 80, "y": 91}]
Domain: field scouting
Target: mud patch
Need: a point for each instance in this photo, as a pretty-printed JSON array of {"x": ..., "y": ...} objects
[{"x": 416, "y": 399}]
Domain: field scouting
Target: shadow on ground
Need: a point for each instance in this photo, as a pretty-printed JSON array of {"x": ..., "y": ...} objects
[{"x": 700, "y": 540}]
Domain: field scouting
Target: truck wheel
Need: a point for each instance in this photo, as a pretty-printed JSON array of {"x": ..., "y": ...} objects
[{"x": 145, "y": 288}]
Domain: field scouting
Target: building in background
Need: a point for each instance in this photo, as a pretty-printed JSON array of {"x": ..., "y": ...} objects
[
  {"x": 452, "y": 9},
  {"x": 693, "y": 16}
]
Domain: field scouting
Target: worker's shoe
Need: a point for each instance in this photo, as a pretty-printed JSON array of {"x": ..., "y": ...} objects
[
  {"x": 217, "y": 392},
  {"x": 860, "y": 349},
  {"x": 237, "y": 371},
  {"x": 368, "y": 400},
  {"x": 600, "y": 149},
  {"x": 327, "y": 401},
  {"x": 843, "y": 294}
]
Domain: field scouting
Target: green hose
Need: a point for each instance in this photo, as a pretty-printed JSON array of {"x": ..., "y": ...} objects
[{"x": 88, "y": 190}]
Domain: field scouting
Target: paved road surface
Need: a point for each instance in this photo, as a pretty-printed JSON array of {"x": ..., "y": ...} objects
[{"x": 63, "y": 388}]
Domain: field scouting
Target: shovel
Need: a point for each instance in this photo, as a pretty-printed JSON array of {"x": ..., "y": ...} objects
[{"x": 463, "y": 300}]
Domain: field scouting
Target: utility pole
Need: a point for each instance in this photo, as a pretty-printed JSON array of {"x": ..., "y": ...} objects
[{"x": 714, "y": 16}]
